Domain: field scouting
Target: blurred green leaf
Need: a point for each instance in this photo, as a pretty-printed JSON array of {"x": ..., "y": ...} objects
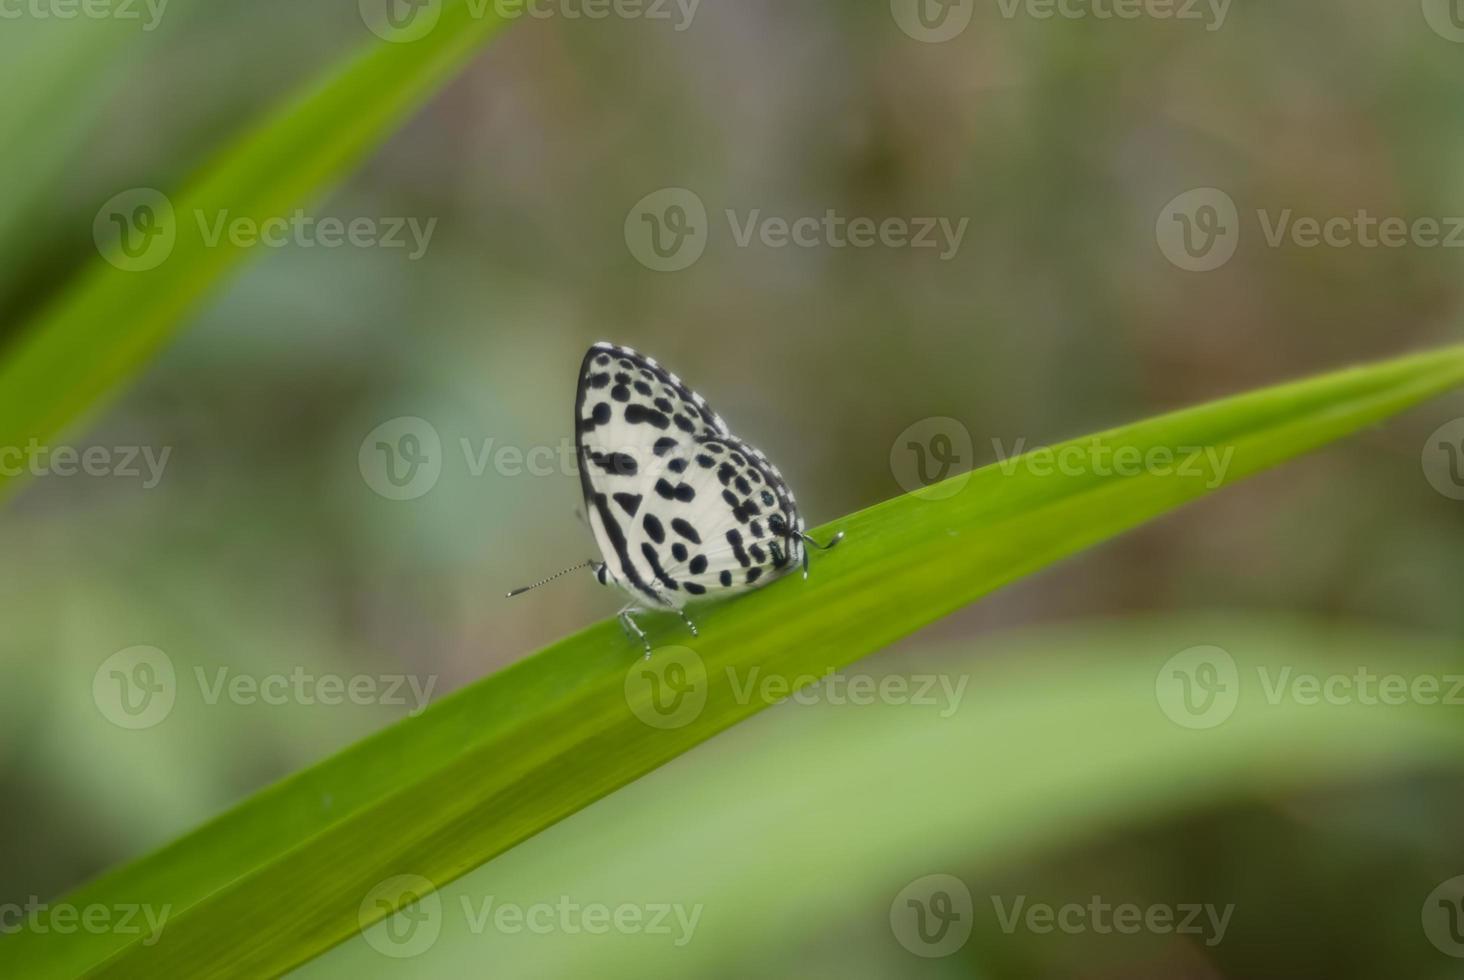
[
  {"x": 294, "y": 868},
  {"x": 1053, "y": 737},
  {"x": 103, "y": 328}
]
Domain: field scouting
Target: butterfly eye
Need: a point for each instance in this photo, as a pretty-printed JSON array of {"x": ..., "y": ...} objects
[{"x": 601, "y": 573}]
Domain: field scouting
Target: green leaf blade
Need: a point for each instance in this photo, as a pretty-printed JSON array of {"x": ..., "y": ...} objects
[{"x": 477, "y": 773}]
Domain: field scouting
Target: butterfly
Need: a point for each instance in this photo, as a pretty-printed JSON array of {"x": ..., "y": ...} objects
[{"x": 682, "y": 509}]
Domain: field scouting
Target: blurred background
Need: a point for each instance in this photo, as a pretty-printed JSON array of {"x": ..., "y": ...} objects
[{"x": 270, "y": 541}]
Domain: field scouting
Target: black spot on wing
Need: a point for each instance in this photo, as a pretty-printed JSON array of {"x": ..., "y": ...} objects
[
  {"x": 615, "y": 464},
  {"x": 629, "y": 501},
  {"x": 725, "y": 578},
  {"x": 681, "y": 491},
  {"x": 653, "y": 527},
  {"x": 664, "y": 445},
  {"x": 694, "y": 589},
  {"x": 654, "y": 560},
  {"x": 698, "y": 564},
  {"x": 637, "y": 414},
  {"x": 684, "y": 528},
  {"x": 734, "y": 538}
]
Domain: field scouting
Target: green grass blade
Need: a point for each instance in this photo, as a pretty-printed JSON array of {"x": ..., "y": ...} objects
[
  {"x": 1055, "y": 738},
  {"x": 441, "y": 793},
  {"x": 103, "y": 328}
]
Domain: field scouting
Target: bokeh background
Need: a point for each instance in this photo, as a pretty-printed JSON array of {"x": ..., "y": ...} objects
[{"x": 264, "y": 547}]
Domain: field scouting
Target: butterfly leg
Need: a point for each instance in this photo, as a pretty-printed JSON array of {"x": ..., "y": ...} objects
[
  {"x": 632, "y": 628},
  {"x": 808, "y": 540},
  {"x": 687, "y": 620}
]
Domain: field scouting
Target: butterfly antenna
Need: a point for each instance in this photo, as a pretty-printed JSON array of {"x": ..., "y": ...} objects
[
  {"x": 823, "y": 547},
  {"x": 808, "y": 539},
  {"x": 573, "y": 568}
]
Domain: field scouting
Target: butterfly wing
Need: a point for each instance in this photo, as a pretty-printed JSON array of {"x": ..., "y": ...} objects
[
  {"x": 738, "y": 531},
  {"x": 674, "y": 500}
]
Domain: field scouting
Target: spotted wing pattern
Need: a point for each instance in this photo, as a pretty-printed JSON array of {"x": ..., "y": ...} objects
[{"x": 681, "y": 508}]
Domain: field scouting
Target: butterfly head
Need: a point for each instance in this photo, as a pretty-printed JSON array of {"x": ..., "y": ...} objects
[{"x": 602, "y": 572}]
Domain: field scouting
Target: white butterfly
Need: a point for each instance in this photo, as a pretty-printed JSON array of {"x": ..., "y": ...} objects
[{"x": 682, "y": 509}]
